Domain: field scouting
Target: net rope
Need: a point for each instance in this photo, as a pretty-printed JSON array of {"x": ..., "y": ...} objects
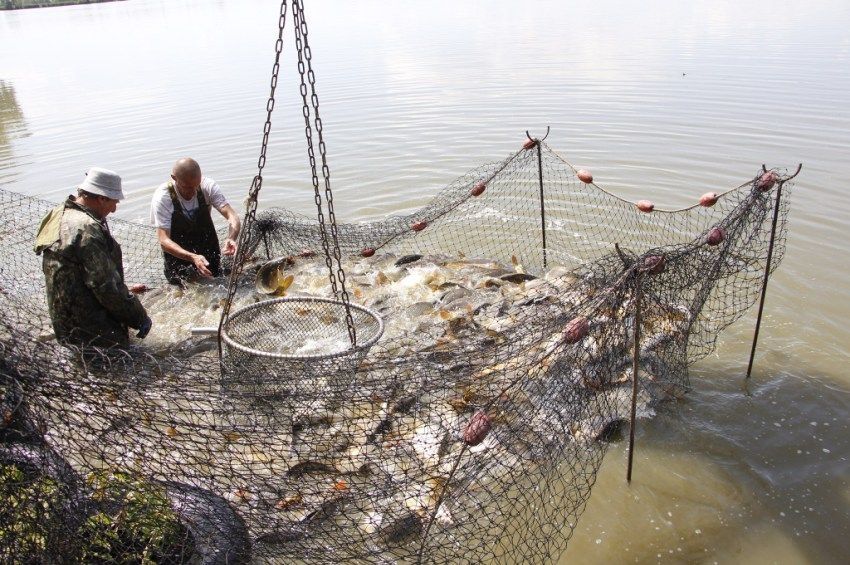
[{"x": 472, "y": 429}]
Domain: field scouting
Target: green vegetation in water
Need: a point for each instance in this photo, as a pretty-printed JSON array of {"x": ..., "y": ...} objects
[
  {"x": 28, "y": 512},
  {"x": 140, "y": 528},
  {"x": 133, "y": 521}
]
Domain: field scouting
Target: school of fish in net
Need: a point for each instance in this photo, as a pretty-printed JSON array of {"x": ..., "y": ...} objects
[{"x": 470, "y": 430}]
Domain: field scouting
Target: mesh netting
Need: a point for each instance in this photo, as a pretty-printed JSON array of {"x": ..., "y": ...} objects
[{"x": 471, "y": 430}]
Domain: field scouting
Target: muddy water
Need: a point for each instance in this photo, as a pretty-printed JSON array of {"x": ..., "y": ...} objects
[{"x": 663, "y": 101}]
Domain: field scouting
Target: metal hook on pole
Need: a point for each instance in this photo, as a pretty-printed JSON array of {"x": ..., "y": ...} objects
[{"x": 536, "y": 140}]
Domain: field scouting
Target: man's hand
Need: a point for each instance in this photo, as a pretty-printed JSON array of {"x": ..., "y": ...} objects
[
  {"x": 144, "y": 328},
  {"x": 229, "y": 247},
  {"x": 202, "y": 265},
  {"x": 139, "y": 288}
]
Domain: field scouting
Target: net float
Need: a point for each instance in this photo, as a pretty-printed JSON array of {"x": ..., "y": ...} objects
[
  {"x": 529, "y": 144},
  {"x": 715, "y": 236},
  {"x": 419, "y": 226},
  {"x": 368, "y": 252},
  {"x": 576, "y": 330},
  {"x": 766, "y": 181},
  {"x": 584, "y": 176},
  {"x": 708, "y": 199},
  {"x": 478, "y": 189},
  {"x": 654, "y": 264},
  {"x": 307, "y": 253},
  {"x": 645, "y": 205},
  {"x": 477, "y": 428}
]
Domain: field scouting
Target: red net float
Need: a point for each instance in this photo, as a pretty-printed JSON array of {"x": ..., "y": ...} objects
[
  {"x": 368, "y": 252},
  {"x": 766, "y": 181},
  {"x": 419, "y": 226},
  {"x": 645, "y": 206},
  {"x": 584, "y": 176},
  {"x": 478, "y": 189},
  {"x": 715, "y": 236},
  {"x": 708, "y": 199},
  {"x": 654, "y": 264},
  {"x": 576, "y": 330},
  {"x": 477, "y": 428}
]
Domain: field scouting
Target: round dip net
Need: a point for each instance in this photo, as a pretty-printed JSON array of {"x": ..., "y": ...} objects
[{"x": 496, "y": 333}]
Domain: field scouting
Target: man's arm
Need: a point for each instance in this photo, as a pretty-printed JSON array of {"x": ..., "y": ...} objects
[
  {"x": 103, "y": 278},
  {"x": 233, "y": 227},
  {"x": 170, "y": 246}
]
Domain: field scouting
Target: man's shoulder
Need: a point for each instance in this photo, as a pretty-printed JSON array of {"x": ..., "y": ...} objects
[
  {"x": 162, "y": 191},
  {"x": 77, "y": 226},
  {"x": 161, "y": 195},
  {"x": 208, "y": 184},
  {"x": 76, "y": 218},
  {"x": 213, "y": 193}
]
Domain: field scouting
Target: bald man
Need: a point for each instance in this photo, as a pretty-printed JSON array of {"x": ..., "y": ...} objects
[{"x": 181, "y": 213}]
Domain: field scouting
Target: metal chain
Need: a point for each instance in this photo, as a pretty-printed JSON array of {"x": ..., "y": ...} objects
[
  {"x": 256, "y": 183},
  {"x": 308, "y": 134},
  {"x": 305, "y": 55}
]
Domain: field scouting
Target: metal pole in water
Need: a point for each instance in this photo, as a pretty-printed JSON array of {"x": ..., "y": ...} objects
[
  {"x": 542, "y": 205},
  {"x": 766, "y": 277},
  {"x": 635, "y": 363}
]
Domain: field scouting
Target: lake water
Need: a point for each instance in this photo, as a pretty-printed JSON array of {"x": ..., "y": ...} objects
[{"x": 662, "y": 100}]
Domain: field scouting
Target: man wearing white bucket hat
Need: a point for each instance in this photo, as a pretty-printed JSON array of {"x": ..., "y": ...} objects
[{"x": 89, "y": 302}]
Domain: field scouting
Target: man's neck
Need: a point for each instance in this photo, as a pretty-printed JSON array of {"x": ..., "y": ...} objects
[{"x": 90, "y": 206}]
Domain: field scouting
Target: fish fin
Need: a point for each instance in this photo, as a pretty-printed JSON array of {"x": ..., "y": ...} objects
[{"x": 283, "y": 285}]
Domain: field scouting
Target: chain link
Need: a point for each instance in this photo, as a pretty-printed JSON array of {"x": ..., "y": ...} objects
[
  {"x": 305, "y": 56},
  {"x": 256, "y": 183}
]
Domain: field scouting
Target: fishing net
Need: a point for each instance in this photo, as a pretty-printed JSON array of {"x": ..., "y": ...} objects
[{"x": 514, "y": 309}]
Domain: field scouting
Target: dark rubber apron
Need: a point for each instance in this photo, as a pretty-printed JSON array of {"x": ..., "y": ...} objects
[{"x": 195, "y": 235}]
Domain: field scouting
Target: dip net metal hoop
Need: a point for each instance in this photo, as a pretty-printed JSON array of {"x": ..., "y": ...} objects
[
  {"x": 257, "y": 319},
  {"x": 301, "y": 341}
]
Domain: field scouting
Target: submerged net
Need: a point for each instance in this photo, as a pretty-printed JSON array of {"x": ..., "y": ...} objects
[{"x": 470, "y": 431}]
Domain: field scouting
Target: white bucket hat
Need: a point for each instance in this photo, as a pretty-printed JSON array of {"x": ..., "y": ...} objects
[{"x": 103, "y": 182}]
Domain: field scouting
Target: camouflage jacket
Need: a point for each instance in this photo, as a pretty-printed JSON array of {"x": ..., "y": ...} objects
[{"x": 88, "y": 301}]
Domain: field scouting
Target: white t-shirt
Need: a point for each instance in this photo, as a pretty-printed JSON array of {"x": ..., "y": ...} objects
[{"x": 162, "y": 207}]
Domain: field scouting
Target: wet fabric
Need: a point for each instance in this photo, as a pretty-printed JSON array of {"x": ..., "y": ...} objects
[
  {"x": 195, "y": 233},
  {"x": 88, "y": 301}
]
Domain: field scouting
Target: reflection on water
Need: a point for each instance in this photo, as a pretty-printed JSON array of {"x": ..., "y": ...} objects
[
  {"x": 663, "y": 101},
  {"x": 12, "y": 122},
  {"x": 12, "y": 125}
]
